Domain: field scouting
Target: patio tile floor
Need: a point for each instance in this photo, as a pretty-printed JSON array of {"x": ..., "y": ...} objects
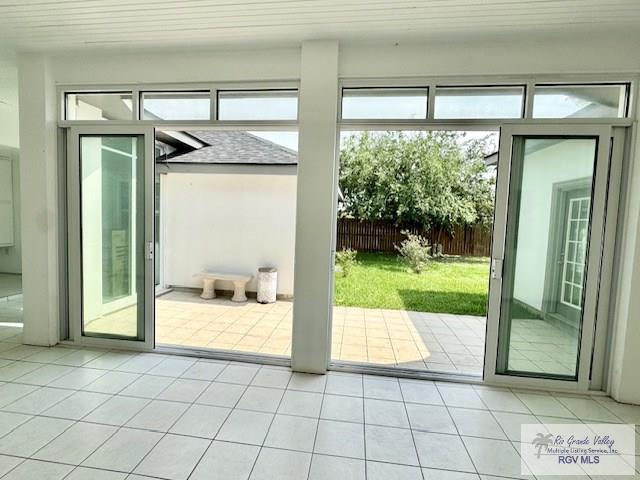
[
  {"x": 419, "y": 341},
  {"x": 393, "y": 338}
]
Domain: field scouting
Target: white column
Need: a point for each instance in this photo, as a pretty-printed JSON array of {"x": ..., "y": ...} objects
[
  {"x": 624, "y": 380},
  {"x": 316, "y": 199},
  {"x": 38, "y": 193}
]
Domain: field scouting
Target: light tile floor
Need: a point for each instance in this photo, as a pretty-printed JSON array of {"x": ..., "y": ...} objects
[
  {"x": 391, "y": 338},
  {"x": 88, "y": 414}
]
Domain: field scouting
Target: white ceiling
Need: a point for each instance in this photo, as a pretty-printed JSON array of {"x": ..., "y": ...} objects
[{"x": 56, "y": 25}]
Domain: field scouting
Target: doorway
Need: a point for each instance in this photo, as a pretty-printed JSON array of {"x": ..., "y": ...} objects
[
  {"x": 110, "y": 226},
  {"x": 413, "y": 241},
  {"x": 546, "y": 259}
]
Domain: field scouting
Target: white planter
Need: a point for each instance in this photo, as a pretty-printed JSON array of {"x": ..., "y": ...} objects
[{"x": 267, "y": 285}]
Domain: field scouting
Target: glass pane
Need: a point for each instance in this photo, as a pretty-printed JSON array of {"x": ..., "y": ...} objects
[
  {"x": 384, "y": 103},
  {"x": 580, "y": 101},
  {"x": 541, "y": 309},
  {"x": 112, "y": 227},
  {"x": 208, "y": 252},
  {"x": 479, "y": 102},
  {"x": 176, "y": 105},
  {"x": 258, "y": 105},
  {"x": 99, "y": 106}
]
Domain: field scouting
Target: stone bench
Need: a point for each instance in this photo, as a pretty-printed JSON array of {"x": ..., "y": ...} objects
[{"x": 209, "y": 282}]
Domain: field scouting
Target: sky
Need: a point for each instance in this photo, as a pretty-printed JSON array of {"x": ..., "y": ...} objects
[{"x": 412, "y": 105}]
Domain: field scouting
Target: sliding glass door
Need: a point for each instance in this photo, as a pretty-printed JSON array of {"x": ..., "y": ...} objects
[
  {"x": 552, "y": 184},
  {"x": 110, "y": 220}
]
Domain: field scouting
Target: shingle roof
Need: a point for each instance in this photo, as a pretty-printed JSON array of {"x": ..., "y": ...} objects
[{"x": 235, "y": 148}]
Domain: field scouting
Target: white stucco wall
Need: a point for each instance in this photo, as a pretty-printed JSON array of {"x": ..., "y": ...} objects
[
  {"x": 564, "y": 161},
  {"x": 232, "y": 223}
]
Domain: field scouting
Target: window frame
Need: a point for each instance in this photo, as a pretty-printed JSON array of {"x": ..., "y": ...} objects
[
  {"x": 116, "y": 91},
  {"x": 143, "y": 92},
  {"x": 489, "y": 81},
  {"x": 380, "y": 92},
  {"x": 523, "y": 101},
  {"x": 138, "y": 90},
  {"x": 257, "y": 91},
  {"x": 431, "y": 84},
  {"x": 628, "y": 100}
]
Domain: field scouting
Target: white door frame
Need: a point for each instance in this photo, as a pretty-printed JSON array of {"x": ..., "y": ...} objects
[
  {"x": 596, "y": 239},
  {"x": 74, "y": 236}
]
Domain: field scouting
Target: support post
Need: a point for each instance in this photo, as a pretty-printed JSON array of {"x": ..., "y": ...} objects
[
  {"x": 315, "y": 215},
  {"x": 39, "y": 200}
]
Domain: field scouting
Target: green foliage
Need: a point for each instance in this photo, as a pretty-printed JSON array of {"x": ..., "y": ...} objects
[
  {"x": 346, "y": 260},
  {"x": 456, "y": 285},
  {"x": 415, "y": 251},
  {"x": 432, "y": 179}
]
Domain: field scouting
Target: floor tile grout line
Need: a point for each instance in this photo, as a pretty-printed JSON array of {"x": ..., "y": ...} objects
[
  {"x": 455, "y": 425},
  {"x": 364, "y": 430},
  {"x": 413, "y": 438},
  {"x": 235, "y": 443},
  {"x": 315, "y": 437},
  {"x": 116, "y": 429},
  {"x": 195, "y": 402},
  {"x": 552, "y": 395},
  {"x": 210, "y": 440},
  {"x": 261, "y": 446}
]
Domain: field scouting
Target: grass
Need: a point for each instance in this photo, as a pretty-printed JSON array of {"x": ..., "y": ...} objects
[{"x": 457, "y": 285}]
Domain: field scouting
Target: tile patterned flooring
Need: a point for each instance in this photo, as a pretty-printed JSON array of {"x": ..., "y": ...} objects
[
  {"x": 391, "y": 338},
  {"x": 89, "y": 414}
]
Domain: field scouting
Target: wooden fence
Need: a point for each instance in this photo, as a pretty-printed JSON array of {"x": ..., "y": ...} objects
[{"x": 373, "y": 236}]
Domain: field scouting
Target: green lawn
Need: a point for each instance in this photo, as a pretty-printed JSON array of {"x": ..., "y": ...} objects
[{"x": 449, "y": 285}]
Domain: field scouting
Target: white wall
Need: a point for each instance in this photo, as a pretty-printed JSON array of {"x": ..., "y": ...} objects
[
  {"x": 624, "y": 381},
  {"x": 501, "y": 55},
  {"x": 231, "y": 223},
  {"x": 561, "y": 162}
]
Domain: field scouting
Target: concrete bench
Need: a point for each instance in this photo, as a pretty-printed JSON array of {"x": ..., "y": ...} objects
[{"x": 209, "y": 282}]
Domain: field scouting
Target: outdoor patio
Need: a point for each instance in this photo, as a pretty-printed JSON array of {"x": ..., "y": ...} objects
[{"x": 393, "y": 338}]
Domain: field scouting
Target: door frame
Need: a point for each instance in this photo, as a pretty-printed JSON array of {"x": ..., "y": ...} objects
[
  {"x": 594, "y": 255},
  {"x": 74, "y": 237},
  {"x": 553, "y": 283}
]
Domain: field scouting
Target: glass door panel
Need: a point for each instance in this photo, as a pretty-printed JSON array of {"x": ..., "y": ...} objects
[
  {"x": 546, "y": 253},
  {"x": 112, "y": 234},
  {"x": 541, "y": 309}
]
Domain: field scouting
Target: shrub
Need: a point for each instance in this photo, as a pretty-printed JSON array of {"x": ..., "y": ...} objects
[
  {"x": 415, "y": 252},
  {"x": 346, "y": 260}
]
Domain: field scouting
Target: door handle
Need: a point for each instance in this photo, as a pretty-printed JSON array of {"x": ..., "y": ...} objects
[
  {"x": 148, "y": 251},
  {"x": 496, "y": 268}
]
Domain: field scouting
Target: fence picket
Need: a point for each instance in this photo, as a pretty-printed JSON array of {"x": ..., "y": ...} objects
[{"x": 377, "y": 236}]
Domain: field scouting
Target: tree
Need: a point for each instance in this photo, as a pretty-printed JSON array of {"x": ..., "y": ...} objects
[{"x": 436, "y": 180}]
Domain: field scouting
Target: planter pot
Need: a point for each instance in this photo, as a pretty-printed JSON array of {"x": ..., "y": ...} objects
[{"x": 267, "y": 285}]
